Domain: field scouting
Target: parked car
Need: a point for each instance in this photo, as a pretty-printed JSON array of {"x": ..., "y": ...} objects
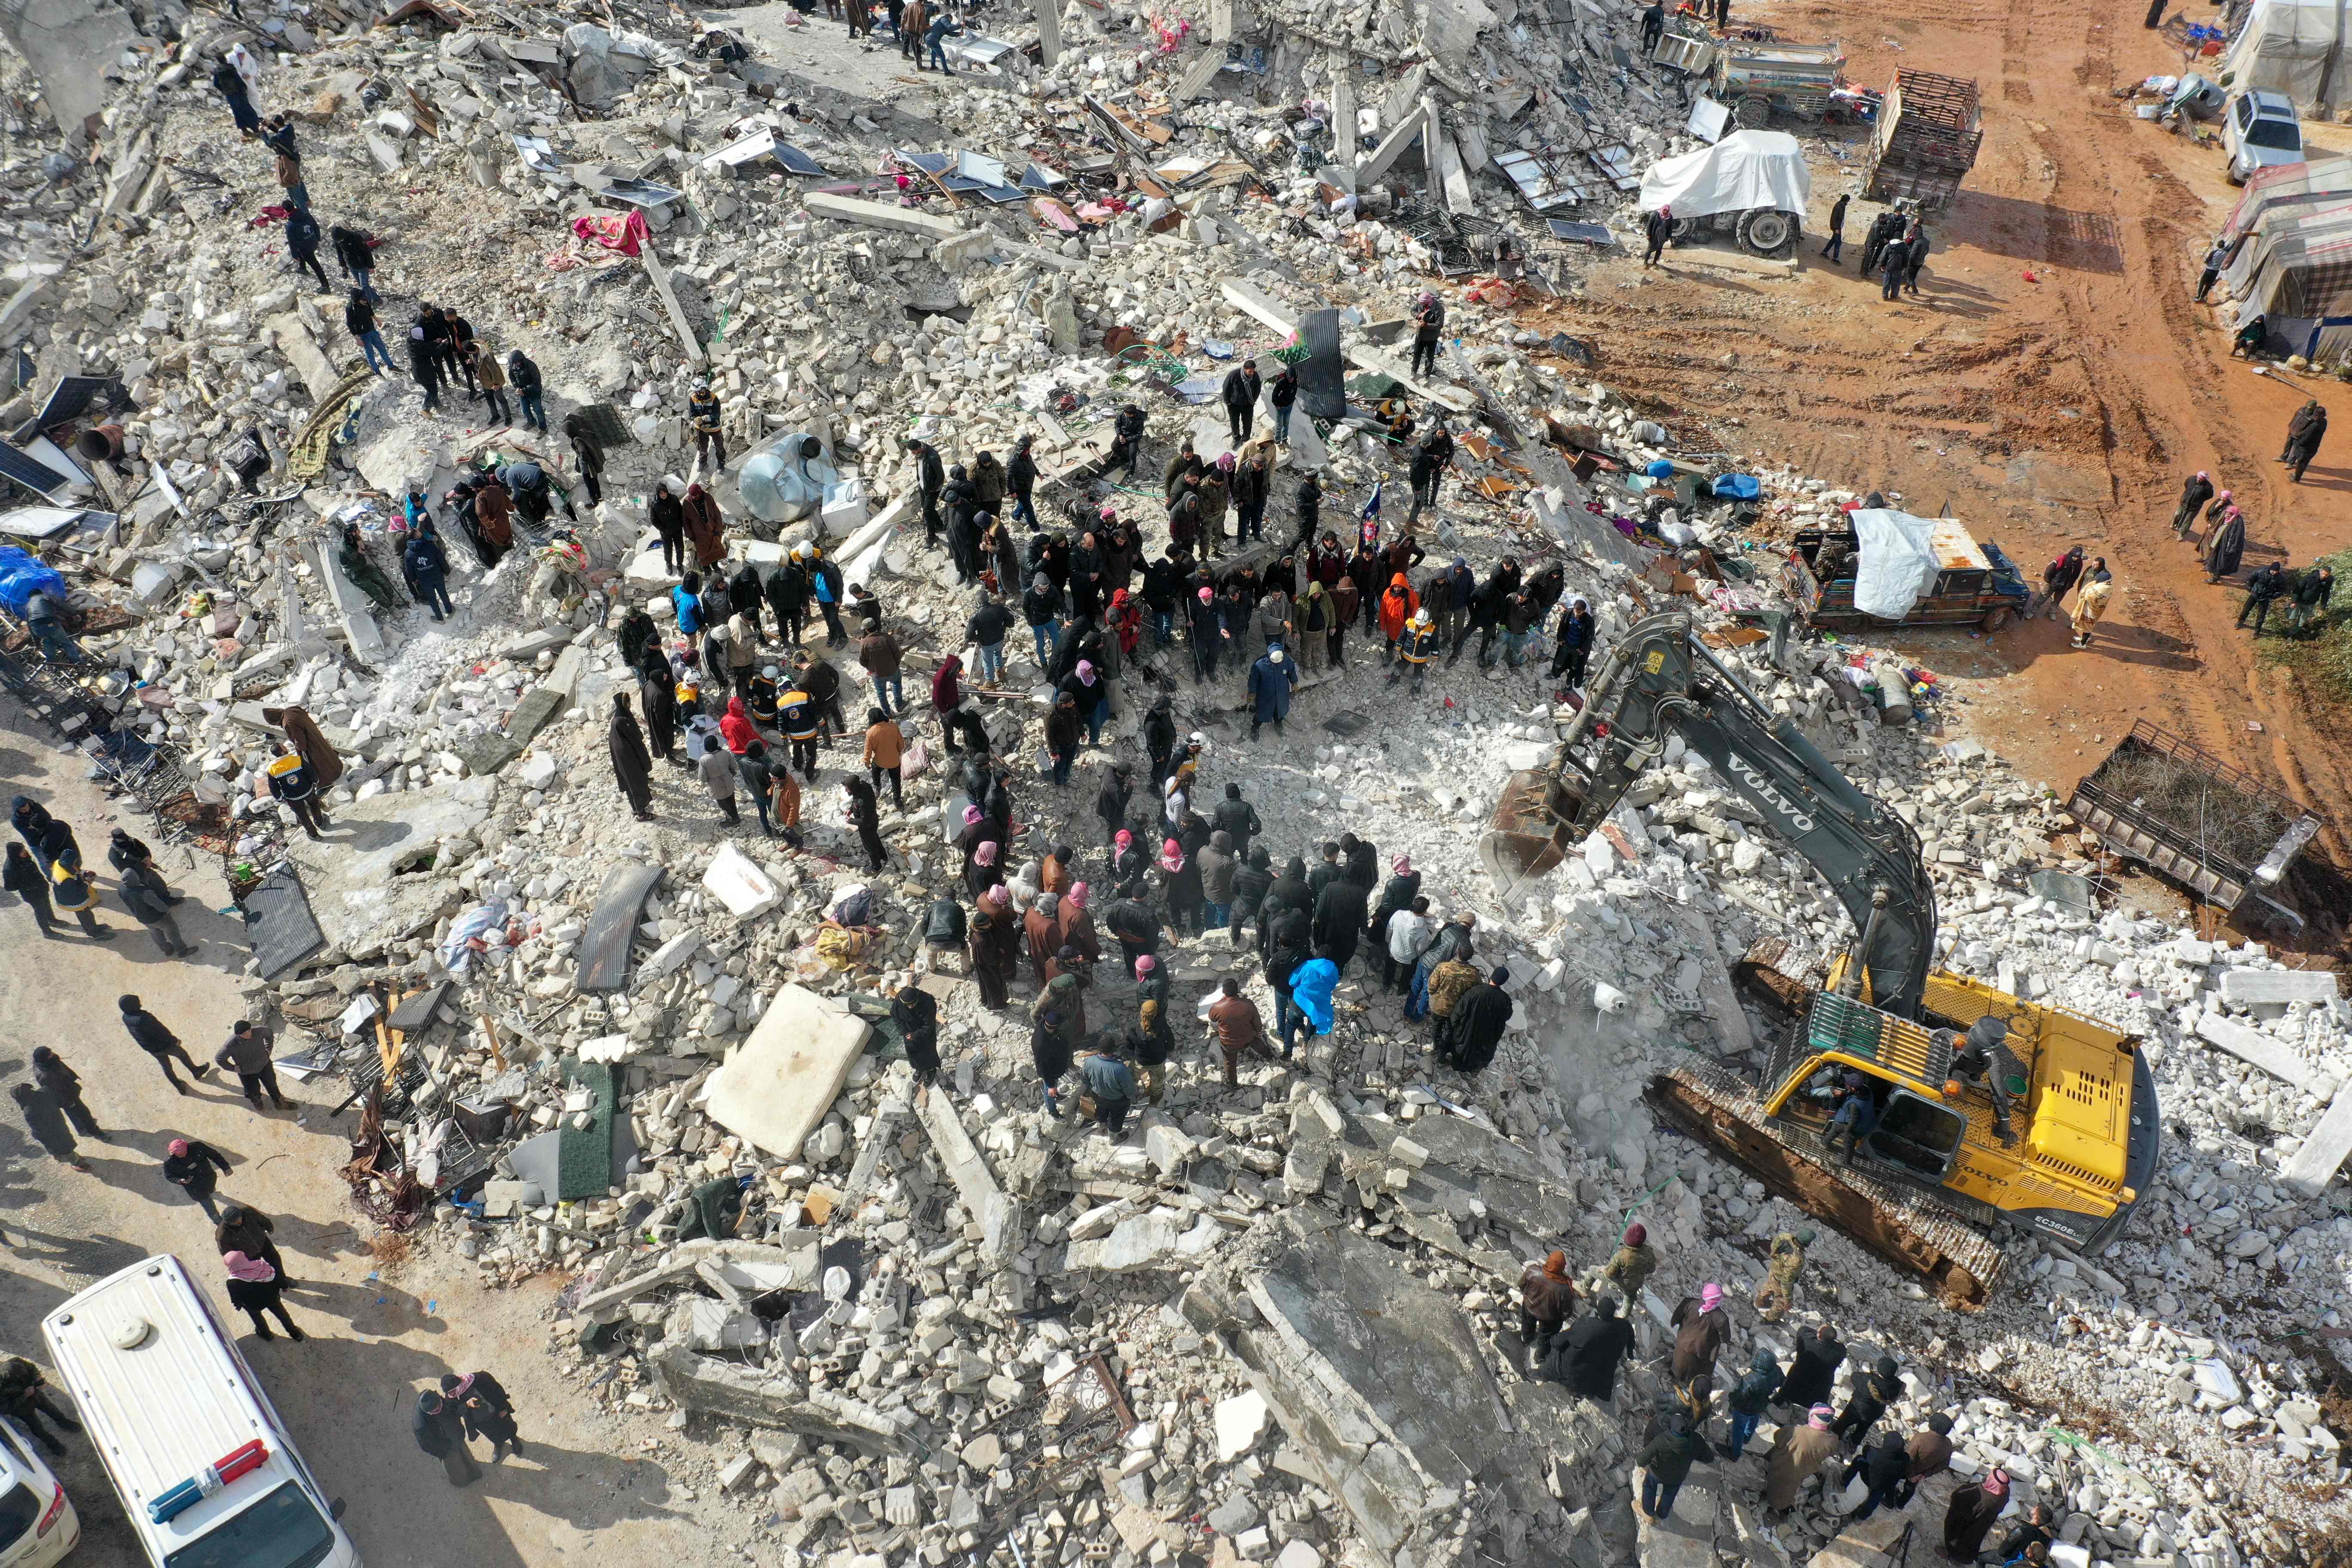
[
  {"x": 37, "y": 1524},
  {"x": 2260, "y": 131}
]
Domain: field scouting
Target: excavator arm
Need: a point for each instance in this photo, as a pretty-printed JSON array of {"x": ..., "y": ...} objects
[{"x": 1662, "y": 680}]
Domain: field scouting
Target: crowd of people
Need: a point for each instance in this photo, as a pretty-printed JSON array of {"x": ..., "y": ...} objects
[
  {"x": 2300, "y": 599},
  {"x": 1819, "y": 1445}
]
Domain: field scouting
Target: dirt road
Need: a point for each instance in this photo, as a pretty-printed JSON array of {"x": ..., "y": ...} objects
[
  {"x": 591, "y": 1489},
  {"x": 2055, "y": 385}
]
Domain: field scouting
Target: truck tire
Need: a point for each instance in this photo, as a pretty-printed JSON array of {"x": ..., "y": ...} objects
[
  {"x": 1997, "y": 619},
  {"x": 1754, "y": 114},
  {"x": 1768, "y": 231}
]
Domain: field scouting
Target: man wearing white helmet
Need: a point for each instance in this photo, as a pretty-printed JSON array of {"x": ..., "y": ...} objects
[
  {"x": 1270, "y": 682},
  {"x": 1415, "y": 647},
  {"x": 702, "y": 415}
]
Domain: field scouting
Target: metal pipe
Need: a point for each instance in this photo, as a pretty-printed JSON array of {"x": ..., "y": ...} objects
[{"x": 1852, "y": 984}]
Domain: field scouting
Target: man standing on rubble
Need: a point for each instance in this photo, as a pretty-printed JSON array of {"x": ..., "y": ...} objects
[
  {"x": 292, "y": 783},
  {"x": 229, "y": 82},
  {"x": 1429, "y": 461},
  {"x": 1779, "y": 1291},
  {"x": 531, "y": 392},
  {"x": 359, "y": 319},
  {"x": 1428, "y": 328},
  {"x": 302, "y": 244},
  {"x": 1654, "y": 25},
  {"x": 425, "y": 366},
  {"x": 430, "y": 567},
  {"x": 702, "y": 413},
  {"x": 1240, "y": 394}
]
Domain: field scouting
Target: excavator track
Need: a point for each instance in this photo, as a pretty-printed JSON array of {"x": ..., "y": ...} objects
[{"x": 1903, "y": 1224}]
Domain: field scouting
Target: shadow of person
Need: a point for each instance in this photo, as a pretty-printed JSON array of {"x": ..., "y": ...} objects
[
  {"x": 588, "y": 1492},
  {"x": 372, "y": 1307}
]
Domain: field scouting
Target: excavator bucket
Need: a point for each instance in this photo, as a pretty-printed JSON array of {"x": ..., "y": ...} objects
[{"x": 1530, "y": 830}]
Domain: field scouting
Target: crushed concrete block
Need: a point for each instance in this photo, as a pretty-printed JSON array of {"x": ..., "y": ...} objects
[
  {"x": 1143, "y": 1241},
  {"x": 671, "y": 954},
  {"x": 1239, "y": 1421},
  {"x": 736, "y": 1472},
  {"x": 746, "y": 890}
]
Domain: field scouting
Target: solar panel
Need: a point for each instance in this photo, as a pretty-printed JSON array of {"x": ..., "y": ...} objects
[
  {"x": 796, "y": 162},
  {"x": 30, "y": 472}
]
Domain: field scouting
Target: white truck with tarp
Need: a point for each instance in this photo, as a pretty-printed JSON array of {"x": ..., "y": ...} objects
[{"x": 1752, "y": 185}]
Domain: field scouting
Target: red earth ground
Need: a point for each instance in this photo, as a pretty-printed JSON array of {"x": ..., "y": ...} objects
[{"x": 2055, "y": 385}]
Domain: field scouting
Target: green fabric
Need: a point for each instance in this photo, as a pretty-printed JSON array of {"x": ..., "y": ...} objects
[{"x": 583, "y": 1155}]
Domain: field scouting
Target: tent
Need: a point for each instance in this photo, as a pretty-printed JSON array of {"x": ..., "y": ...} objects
[
  {"x": 2295, "y": 47},
  {"x": 2295, "y": 269},
  {"x": 2287, "y": 183},
  {"x": 1747, "y": 169}
]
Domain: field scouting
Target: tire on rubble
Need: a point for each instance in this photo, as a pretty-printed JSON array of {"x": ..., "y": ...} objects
[
  {"x": 1998, "y": 618},
  {"x": 1768, "y": 231},
  {"x": 1753, "y": 112}
]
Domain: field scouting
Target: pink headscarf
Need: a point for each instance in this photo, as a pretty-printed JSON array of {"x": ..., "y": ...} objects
[
  {"x": 985, "y": 855},
  {"x": 1171, "y": 855},
  {"x": 1225, "y": 463},
  {"x": 240, "y": 1267},
  {"x": 1125, "y": 841},
  {"x": 1819, "y": 1416},
  {"x": 180, "y": 1147},
  {"x": 1086, "y": 671},
  {"x": 971, "y": 814},
  {"x": 1076, "y": 896},
  {"x": 998, "y": 895},
  {"x": 1207, "y": 595},
  {"x": 1710, "y": 1297},
  {"x": 1145, "y": 963},
  {"x": 1997, "y": 1483},
  {"x": 1401, "y": 866}
]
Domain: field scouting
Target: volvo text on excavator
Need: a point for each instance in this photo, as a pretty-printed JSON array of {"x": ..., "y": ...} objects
[{"x": 1872, "y": 1110}]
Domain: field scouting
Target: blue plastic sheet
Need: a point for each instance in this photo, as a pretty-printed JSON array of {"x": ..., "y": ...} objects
[
  {"x": 1737, "y": 486},
  {"x": 21, "y": 576}
]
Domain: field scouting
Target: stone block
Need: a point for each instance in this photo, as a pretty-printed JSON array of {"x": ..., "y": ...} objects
[
  {"x": 878, "y": 215},
  {"x": 742, "y": 887},
  {"x": 1239, "y": 1421}
]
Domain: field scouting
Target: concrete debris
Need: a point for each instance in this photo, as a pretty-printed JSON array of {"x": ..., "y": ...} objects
[{"x": 880, "y": 1307}]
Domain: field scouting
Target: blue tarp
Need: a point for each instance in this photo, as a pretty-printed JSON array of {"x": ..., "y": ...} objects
[
  {"x": 1737, "y": 486},
  {"x": 21, "y": 576}
]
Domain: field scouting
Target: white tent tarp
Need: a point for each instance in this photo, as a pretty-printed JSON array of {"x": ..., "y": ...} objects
[
  {"x": 1747, "y": 169},
  {"x": 2295, "y": 47},
  {"x": 1895, "y": 562}
]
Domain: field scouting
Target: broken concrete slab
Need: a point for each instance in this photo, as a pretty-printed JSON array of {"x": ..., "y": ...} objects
[
  {"x": 2274, "y": 1057},
  {"x": 878, "y": 215},
  {"x": 779, "y": 1083},
  {"x": 370, "y": 892},
  {"x": 776, "y": 1400},
  {"x": 976, "y": 1185},
  {"x": 1465, "y": 1171},
  {"x": 2252, "y": 988},
  {"x": 1395, "y": 1407},
  {"x": 301, "y": 350},
  {"x": 72, "y": 46},
  {"x": 789, "y": 1263},
  {"x": 2316, "y": 1164}
]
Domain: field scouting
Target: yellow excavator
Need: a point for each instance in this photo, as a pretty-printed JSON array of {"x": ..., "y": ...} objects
[{"x": 1927, "y": 1175}]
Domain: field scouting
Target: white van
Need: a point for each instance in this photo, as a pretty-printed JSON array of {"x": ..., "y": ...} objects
[{"x": 204, "y": 1465}]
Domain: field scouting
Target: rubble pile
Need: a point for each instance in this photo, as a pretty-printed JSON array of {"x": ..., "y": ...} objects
[{"x": 1274, "y": 1323}]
